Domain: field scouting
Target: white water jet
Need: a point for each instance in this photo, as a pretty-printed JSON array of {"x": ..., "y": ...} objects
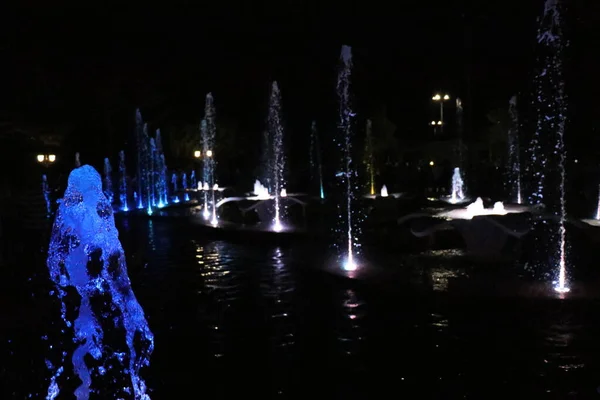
[
  {"x": 384, "y": 191},
  {"x": 345, "y": 145},
  {"x": 457, "y": 187}
]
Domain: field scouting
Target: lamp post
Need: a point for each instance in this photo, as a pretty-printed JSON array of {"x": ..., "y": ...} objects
[{"x": 441, "y": 98}]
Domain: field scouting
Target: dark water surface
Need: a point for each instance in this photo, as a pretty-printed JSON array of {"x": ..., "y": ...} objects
[{"x": 234, "y": 319}]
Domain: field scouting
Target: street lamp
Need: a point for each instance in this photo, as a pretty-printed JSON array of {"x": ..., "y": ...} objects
[
  {"x": 46, "y": 158},
  {"x": 431, "y": 163},
  {"x": 209, "y": 153},
  {"x": 441, "y": 98},
  {"x": 197, "y": 153}
]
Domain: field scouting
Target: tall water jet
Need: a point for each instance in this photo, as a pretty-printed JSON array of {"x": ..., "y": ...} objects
[
  {"x": 193, "y": 181},
  {"x": 457, "y": 187},
  {"x": 275, "y": 129},
  {"x": 184, "y": 185},
  {"x": 208, "y": 130},
  {"x": 87, "y": 265},
  {"x": 77, "y": 161},
  {"x": 316, "y": 167},
  {"x": 266, "y": 162},
  {"x": 214, "y": 221},
  {"x": 122, "y": 182},
  {"x": 108, "y": 186},
  {"x": 460, "y": 132},
  {"x": 368, "y": 157},
  {"x": 152, "y": 157},
  {"x": 141, "y": 156},
  {"x": 514, "y": 154},
  {"x": 160, "y": 171},
  {"x": 46, "y": 193},
  {"x": 344, "y": 143},
  {"x": 548, "y": 147},
  {"x": 598, "y": 207}
]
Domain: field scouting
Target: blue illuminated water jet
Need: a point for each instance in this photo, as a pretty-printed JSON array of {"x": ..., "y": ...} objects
[
  {"x": 87, "y": 264},
  {"x": 123, "y": 182},
  {"x": 108, "y": 186},
  {"x": 46, "y": 193},
  {"x": 160, "y": 171}
]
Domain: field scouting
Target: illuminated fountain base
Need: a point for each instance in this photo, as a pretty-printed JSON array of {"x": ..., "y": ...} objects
[{"x": 488, "y": 233}]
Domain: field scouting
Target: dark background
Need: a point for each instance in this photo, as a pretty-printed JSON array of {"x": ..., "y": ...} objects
[{"x": 81, "y": 71}]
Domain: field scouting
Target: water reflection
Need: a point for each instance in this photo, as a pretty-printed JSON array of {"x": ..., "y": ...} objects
[
  {"x": 221, "y": 285},
  {"x": 350, "y": 333}
]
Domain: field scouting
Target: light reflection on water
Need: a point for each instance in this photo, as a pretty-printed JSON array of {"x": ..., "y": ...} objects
[{"x": 235, "y": 311}]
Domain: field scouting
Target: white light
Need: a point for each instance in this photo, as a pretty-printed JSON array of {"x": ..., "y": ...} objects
[
  {"x": 432, "y": 122},
  {"x": 51, "y": 158},
  {"x": 436, "y": 97},
  {"x": 208, "y": 153},
  {"x": 277, "y": 227},
  {"x": 216, "y": 187},
  {"x": 197, "y": 153},
  {"x": 431, "y": 163},
  {"x": 40, "y": 158},
  {"x": 446, "y": 97},
  {"x": 283, "y": 193},
  {"x": 439, "y": 122}
]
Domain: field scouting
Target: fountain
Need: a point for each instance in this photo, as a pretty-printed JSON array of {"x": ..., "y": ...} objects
[
  {"x": 344, "y": 143},
  {"x": 514, "y": 154},
  {"x": 547, "y": 150},
  {"x": 160, "y": 172},
  {"x": 315, "y": 158},
  {"x": 87, "y": 265},
  {"x": 214, "y": 221},
  {"x": 46, "y": 193},
  {"x": 384, "y": 191},
  {"x": 275, "y": 129},
  {"x": 598, "y": 207},
  {"x": 122, "y": 182},
  {"x": 152, "y": 157},
  {"x": 184, "y": 184},
  {"x": 368, "y": 160},
  {"x": 108, "y": 187},
  {"x": 193, "y": 182},
  {"x": 208, "y": 130},
  {"x": 457, "y": 187},
  {"x": 141, "y": 157}
]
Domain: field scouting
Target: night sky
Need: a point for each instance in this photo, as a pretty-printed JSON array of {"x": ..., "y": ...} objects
[{"x": 74, "y": 66}]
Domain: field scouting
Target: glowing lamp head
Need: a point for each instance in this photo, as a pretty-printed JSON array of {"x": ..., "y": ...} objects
[
  {"x": 432, "y": 122},
  {"x": 40, "y": 158},
  {"x": 436, "y": 97},
  {"x": 446, "y": 97},
  {"x": 431, "y": 163},
  {"x": 439, "y": 122},
  {"x": 197, "y": 153},
  {"x": 209, "y": 153},
  {"x": 52, "y": 158}
]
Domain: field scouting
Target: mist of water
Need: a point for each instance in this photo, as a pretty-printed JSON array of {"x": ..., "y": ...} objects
[{"x": 457, "y": 187}]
